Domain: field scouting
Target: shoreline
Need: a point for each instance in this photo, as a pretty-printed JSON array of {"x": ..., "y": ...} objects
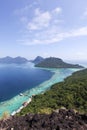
[
  {"x": 30, "y": 99},
  {"x": 21, "y": 107},
  {"x": 16, "y": 102}
]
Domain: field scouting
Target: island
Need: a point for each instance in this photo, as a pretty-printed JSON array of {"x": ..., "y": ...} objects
[
  {"x": 52, "y": 62},
  {"x": 10, "y": 60},
  {"x": 37, "y": 60}
]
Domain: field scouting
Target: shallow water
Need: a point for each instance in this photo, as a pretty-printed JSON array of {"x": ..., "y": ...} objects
[{"x": 33, "y": 81}]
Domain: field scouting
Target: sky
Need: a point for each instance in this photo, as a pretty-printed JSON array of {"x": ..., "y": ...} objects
[{"x": 56, "y": 28}]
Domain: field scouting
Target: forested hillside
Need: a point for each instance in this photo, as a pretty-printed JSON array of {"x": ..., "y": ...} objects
[
  {"x": 53, "y": 62},
  {"x": 71, "y": 94}
]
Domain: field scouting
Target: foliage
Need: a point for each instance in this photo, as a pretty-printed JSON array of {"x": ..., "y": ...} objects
[
  {"x": 71, "y": 93},
  {"x": 53, "y": 62}
]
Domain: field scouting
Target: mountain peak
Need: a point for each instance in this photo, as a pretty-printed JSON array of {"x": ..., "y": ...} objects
[{"x": 38, "y": 59}]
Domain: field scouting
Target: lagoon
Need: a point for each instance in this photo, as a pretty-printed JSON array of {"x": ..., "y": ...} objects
[{"x": 26, "y": 79}]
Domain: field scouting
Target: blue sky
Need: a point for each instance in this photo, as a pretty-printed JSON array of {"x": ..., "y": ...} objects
[{"x": 44, "y": 27}]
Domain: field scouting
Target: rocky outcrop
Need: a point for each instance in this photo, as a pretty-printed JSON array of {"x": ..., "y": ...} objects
[{"x": 61, "y": 120}]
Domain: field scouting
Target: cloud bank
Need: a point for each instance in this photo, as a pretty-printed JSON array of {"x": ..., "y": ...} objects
[{"x": 45, "y": 26}]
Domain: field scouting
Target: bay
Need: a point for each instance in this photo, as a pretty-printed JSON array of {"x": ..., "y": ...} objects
[
  {"x": 15, "y": 79},
  {"x": 26, "y": 79}
]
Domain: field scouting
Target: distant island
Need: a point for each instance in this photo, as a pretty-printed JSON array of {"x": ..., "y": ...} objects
[
  {"x": 50, "y": 62},
  {"x": 37, "y": 60},
  {"x": 20, "y": 60},
  {"x": 53, "y": 62},
  {"x": 10, "y": 60}
]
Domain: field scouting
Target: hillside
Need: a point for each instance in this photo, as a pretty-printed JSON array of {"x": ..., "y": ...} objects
[
  {"x": 17, "y": 60},
  {"x": 63, "y": 107},
  {"x": 71, "y": 94},
  {"x": 53, "y": 62},
  {"x": 62, "y": 120},
  {"x": 37, "y": 60}
]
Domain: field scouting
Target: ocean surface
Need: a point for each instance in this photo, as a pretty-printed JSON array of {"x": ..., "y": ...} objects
[
  {"x": 26, "y": 79},
  {"x": 15, "y": 79}
]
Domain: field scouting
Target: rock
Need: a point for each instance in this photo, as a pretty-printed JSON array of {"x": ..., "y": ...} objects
[{"x": 64, "y": 120}]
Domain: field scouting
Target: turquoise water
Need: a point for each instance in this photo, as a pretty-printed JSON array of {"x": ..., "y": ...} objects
[{"x": 14, "y": 103}]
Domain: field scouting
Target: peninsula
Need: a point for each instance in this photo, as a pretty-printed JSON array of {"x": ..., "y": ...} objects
[{"x": 53, "y": 62}]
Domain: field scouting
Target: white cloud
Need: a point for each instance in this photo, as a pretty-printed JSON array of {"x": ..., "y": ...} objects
[
  {"x": 57, "y": 10},
  {"x": 79, "y": 32},
  {"x": 44, "y": 27},
  {"x": 37, "y": 19},
  {"x": 52, "y": 36},
  {"x": 41, "y": 20}
]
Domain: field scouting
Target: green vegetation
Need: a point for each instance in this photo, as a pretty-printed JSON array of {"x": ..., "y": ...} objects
[
  {"x": 71, "y": 93},
  {"x": 53, "y": 62}
]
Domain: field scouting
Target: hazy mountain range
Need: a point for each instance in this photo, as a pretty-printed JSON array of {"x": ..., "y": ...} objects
[
  {"x": 37, "y": 60},
  {"x": 17, "y": 60},
  {"x": 50, "y": 62}
]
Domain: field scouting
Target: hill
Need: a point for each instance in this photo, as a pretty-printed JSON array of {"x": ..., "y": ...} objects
[
  {"x": 17, "y": 60},
  {"x": 53, "y": 62},
  {"x": 37, "y": 60},
  {"x": 71, "y": 94}
]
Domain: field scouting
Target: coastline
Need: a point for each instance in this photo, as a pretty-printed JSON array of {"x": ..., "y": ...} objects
[
  {"x": 21, "y": 107},
  {"x": 15, "y": 104}
]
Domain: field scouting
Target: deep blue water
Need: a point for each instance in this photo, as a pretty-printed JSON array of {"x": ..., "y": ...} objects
[{"x": 15, "y": 79}]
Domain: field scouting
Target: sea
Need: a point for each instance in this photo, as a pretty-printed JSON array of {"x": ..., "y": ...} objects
[{"x": 19, "y": 82}]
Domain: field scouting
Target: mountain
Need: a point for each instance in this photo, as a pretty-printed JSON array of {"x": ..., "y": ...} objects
[
  {"x": 38, "y": 59},
  {"x": 17, "y": 60},
  {"x": 53, "y": 62},
  {"x": 20, "y": 60}
]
